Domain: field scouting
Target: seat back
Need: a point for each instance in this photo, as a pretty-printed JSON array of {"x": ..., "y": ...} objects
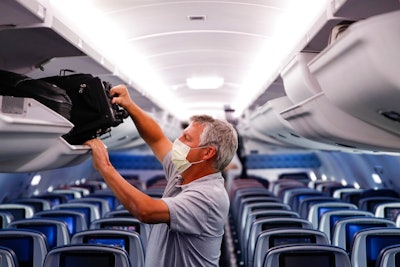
[
  {"x": 118, "y": 213},
  {"x": 107, "y": 195},
  {"x": 328, "y": 219},
  {"x": 281, "y": 188},
  {"x": 300, "y": 198},
  {"x": 76, "y": 221},
  {"x": 265, "y": 224},
  {"x": 368, "y": 244},
  {"x": 36, "y": 203},
  {"x": 252, "y": 199},
  {"x": 307, "y": 255},
  {"x": 389, "y": 256},
  {"x": 29, "y": 246},
  {"x": 102, "y": 204},
  {"x": 279, "y": 237},
  {"x": 129, "y": 241},
  {"x": 368, "y": 193},
  {"x": 345, "y": 229},
  {"x": 341, "y": 193},
  {"x": 317, "y": 210},
  {"x": 369, "y": 203},
  {"x": 5, "y": 219},
  {"x": 8, "y": 257},
  {"x": 84, "y": 255},
  {"x": 306, "y": 203},
  {"x": 289, "y": 194},
  {"x": 69, "y": 193},
  {"x": 258, "y": 214},
  {"x": 258, "y": 206},
  {"x": 56, "y": 231},
  {"x": 244, "y": 193},
  {"x": 126, "y": 224},
  {"x": 91, "y": 211},
  {"x": 53, "y": 198},
  {"x": 388, "y": 210},
  {"x": 18, "y": 211},
  {"x": 276, "y": 185}
]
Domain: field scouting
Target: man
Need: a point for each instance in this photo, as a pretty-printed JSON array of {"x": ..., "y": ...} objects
[{"x": 189, "y": 219}]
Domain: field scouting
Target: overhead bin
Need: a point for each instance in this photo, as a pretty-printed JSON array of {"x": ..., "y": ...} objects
[
  {"x": 337, "y": 11},
  {"x": 298, "y": 81},
  {"x": 361, "y": 9},
  {"x": 21, "y": 12},
  {"x": 318, "y": 119},
  {"x": 246, "y": 130},
  {"x": 359, "y": 72},
  {"x": 30, "y": 137},
  {"x": 123, "y": 136},
  {"x": 268, "y": 121}
]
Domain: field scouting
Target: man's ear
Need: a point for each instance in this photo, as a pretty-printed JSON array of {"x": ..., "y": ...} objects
[{"x": 210, "y": 152}]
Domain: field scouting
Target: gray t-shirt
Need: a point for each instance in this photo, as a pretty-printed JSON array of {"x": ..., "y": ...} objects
[{"x": 198, "y": 212}]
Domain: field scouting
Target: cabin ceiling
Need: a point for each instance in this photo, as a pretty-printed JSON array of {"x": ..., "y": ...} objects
[{"x": 178, "y": 40}]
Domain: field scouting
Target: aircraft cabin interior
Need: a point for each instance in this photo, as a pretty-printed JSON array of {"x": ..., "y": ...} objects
[{"x": 312, "y": 88}]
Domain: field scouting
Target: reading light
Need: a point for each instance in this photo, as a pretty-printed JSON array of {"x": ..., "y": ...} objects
[
  {"x": 199, "y": 83},
  {"x": 377, "y": 179},
  {"x": 36, "y": 179}
]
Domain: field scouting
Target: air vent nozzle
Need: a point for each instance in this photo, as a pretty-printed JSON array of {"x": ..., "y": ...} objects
[{"x": 197, "y": 17}]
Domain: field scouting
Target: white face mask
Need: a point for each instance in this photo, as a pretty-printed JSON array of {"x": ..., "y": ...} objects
[{"x": 179, "y": 154}]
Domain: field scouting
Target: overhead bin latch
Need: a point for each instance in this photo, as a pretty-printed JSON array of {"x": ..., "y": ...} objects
[{"x": 13, "y": 105}]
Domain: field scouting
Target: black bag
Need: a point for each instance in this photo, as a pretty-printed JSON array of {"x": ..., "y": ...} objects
[
  {"x": 50, "y": 95},
  {"x": 92, "y": 112}
]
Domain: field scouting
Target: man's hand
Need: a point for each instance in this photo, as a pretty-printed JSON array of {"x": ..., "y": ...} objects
[
  {"x": 121, "y": 96},
  {"x": 99, "y": 154}
]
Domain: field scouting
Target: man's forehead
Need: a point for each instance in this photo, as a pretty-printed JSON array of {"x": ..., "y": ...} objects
[{"x": 193, "y": 128}]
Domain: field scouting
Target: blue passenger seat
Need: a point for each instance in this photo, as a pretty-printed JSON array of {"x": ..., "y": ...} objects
[
  {"x": 369, "y": 243},
  {"x": 129, "y": 241},
  {"x": 75, "y": 220},
  {"x": 346, "y": 229},
  {"x": 85, "y": 255},
  {"x": 389, "y": 257},
  {"x": 56, "y": 231},
  {"x": 8, "y": 257},
  {"x": 273, "y": 238},
  {"x": 90, "y": 211},
  {"x": 328, "y": 219},
  {"x": 265, "y": 224},
  {"x": 126, "y": 224},
  {"x": 29, "y": 246},
  {"x": 307, "y": 255}
]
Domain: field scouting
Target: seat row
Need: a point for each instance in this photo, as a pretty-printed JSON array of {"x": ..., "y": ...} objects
[
  {"x": 290, "y": 212},
  {"x": 34, "y": 228},
  {"x": 108, "y": 248}
]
